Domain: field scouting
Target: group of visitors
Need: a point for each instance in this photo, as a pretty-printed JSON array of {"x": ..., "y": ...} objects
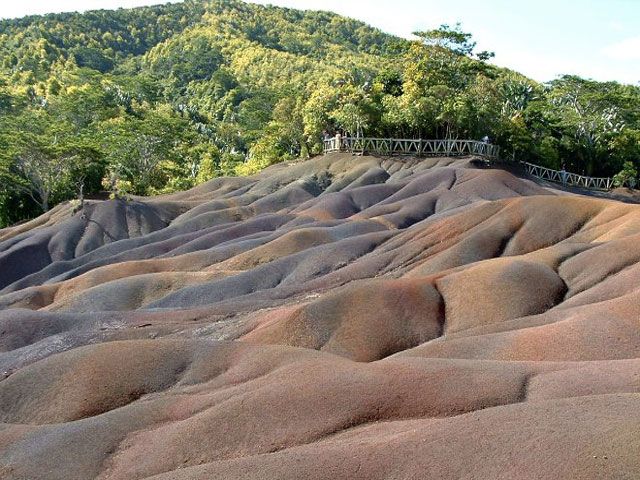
[{"x": 337, "y": 137}]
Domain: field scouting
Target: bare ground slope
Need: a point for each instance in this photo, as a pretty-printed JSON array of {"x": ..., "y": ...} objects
[{"x": 343, "y": 318}]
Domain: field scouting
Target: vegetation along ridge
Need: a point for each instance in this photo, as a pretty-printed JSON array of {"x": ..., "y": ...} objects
[{"x": 158, "y": 99}]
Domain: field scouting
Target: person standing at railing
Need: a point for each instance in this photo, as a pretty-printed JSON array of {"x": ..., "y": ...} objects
[
  {"x": 564, "y": 175},
  {"x": 338, "y": 141},
  {"x": 326, "y": 141},
  {"x": 485, "y": 148}
]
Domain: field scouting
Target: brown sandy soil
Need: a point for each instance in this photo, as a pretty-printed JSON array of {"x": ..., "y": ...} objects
[{"x": 340, "y": 318}]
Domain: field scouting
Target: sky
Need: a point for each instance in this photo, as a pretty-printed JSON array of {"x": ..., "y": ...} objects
[{"x": 543, "y": 39}]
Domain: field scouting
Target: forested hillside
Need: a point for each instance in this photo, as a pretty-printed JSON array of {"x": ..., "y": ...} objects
[{"x": 158, "y": 99}]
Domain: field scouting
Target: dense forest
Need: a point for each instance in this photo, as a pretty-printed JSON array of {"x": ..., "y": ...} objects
[{"x": 157, "y": 99}]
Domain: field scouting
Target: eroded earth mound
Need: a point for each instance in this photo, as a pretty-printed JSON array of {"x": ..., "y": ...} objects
[{"x": 345, "y": 318}]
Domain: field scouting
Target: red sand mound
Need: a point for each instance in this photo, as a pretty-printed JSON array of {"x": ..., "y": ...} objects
[{"x": 345, "y": 318}]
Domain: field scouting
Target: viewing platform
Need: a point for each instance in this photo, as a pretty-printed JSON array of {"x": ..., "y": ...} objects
[
  {"x": 456, "y": 148},
  {"x": 417, "y": 147}
]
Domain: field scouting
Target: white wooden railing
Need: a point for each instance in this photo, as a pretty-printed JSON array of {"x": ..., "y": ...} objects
[
  {"x": 567, "y": 178},
  {"x": 406, "y": 146}
]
